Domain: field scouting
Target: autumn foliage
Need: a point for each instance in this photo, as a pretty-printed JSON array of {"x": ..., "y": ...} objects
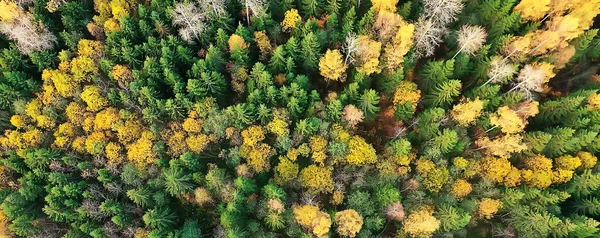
[{"x": 311, "y": 118}]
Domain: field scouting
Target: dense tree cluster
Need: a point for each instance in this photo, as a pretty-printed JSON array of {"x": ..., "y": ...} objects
[{"x": 308, "y": 118}]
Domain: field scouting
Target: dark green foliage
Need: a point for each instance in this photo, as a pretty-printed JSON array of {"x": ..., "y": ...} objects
[
  {"x": 452, "y": 218},
  {"x": 567, "y": 140},
  {"x": 190, "y": 229},
  {"x": 496, "y": 14},
  {"x": 177, "y": 182},
  {"x": 405, "y": 9},
  {"x": 584, "y": 227},
  {"x": 277, "y": 61},
  {"x": 159, "y": 218},
  {"x": 23, "y": 226},
  {"x": 583, "y": 184},
  {"x": 436, "y": 72},
  {"x": 361, "y": 202},
  {"x": 533, "y": 224},
  {"x": 559, "y": 110},
  {"x": 443, "y": 143},
  {"x": 309, "y": 51},
  {"x": 15, "y": 85},
  {"x": 443, "y": 94},
  {"x": 582, "y": 44},
  {"x": 489, "y": 93},
  {"x": 334, "y": 110},
  {"x": 140, "y": 196},
  {"x": 428, "y": 125},
  {"x": 536, "y": 141},
  {"x": 386, "y": 195},
  {"x": 404, "y": 111},
  {"x": 368, "y": 104},
  {"x": 587, "y": 206},
  {"x": 366, "y": 22},
  {"x": 309, "y": 7},
  {"x": 348, "y": 21}
]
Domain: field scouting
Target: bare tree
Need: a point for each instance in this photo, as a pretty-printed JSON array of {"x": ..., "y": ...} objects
[
  {"x": 499, "y": 70},
  {"x": 129, "y": 231},
  {"x": 531, "y": 79},
  {"x": 48, "y": 229},
  {"x": 213, "y": 8},
  {"x": 111, "y": 229},
  {"x": 92, "y": 207},
  {"x": 114, "y": 188},
  {"x": 470, "y": 39},
  {"x": 432, "y": 26},
  {"x": 28, "y": 34},
  {"x": 191, "y": 19},
  {"x": 23, "y": 3},
  {"x": 256, "y": 6},
  {"x": 442, "y": 12},
  {"x": 428, "y": 37},
  {"x": 309, "y": 199},
  {"x": 219, "y": 232},
  {"x": 350, "y": 47}
]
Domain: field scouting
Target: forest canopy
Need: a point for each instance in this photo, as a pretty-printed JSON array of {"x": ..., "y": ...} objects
[{"x": 299, "y": 118}]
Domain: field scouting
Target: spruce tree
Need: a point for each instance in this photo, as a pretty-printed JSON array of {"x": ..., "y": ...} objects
[{"x": 309, "y": 52}]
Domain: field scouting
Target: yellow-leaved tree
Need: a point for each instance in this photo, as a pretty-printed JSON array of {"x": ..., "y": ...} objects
[
  {"x": 421, "y": 223},
  {"x": 349, "y": 222},
  {"x": 508, "y": 120},
  {"x": 532, "y": 10},
  {"x": 368, "y": 55},
  {"x": 313, "y": 220},
  {"x": 407, "y": 91},
  {"x": 332, "y": 66},
  {"x": 263, "y": 43},
  {"x": 140, "y": 152},
  {"x": 502, "y": 146},
  {"x": 285, "y": 171},
  {"x": 461, "y": 188},
  {"x": 94, "y": 99},
  {"x": 317, "y": 179},
  {"x": 361, "y": 152},
  {"x": 290, "y": 20},
  {"x": 488, "y": 207},
  {"x": 467, "y": 112},
  {"x": 495, "y": 169},
  {"x": 384, "y": 5},
  {"x": 236, "y": 42},
  {"x": 400, "y": 44},
  {"x": 9, "y": 10}
]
